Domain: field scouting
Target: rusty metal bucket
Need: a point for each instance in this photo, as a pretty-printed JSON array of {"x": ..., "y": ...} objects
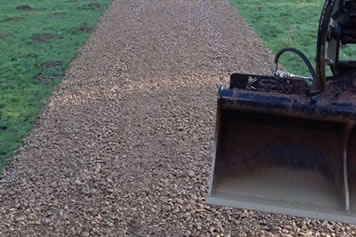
[{"x": 279, "y": 150}]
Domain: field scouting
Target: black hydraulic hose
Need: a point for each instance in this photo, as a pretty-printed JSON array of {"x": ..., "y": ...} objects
[{"x": 314, "y": 89}]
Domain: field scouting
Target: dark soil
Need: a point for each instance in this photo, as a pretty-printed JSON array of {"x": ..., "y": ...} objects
[
  {"x": 44, "y": 77},
  {"x": 44, "y": 38},
  {"x": 4, "y": 36},
  {"x": 14, "y": 19},
  {"x": 91, "y": 6},
  {"x": 25, "y": 8},
  {"x": 59, "y": 14},
  {"x": 84, "y": 29},
  {"x": 52, "y": 64}
]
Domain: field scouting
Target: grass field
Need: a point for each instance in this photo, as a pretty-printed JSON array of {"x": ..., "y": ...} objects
[
  {"x": 38, "y": 40},
  {"x": 287, "y": 23}
]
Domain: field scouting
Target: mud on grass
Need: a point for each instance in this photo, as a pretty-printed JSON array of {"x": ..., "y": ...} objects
[{"x": 39, "y": 47}]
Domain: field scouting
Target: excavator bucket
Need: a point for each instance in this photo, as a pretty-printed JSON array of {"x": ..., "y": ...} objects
[{"x": 280, "y": 150}]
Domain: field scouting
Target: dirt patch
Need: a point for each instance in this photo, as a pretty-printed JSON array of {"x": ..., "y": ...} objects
[
  {"x": 44, "y": 38},
  {"x": 91, "y": 6},
  {"x": 4, "y": 36},
  {"x": 24, "y": 8},
  {"x": 52, "y": 64},
  {"x": 13, "y": 19},
  {"x": 44, "y": 77},
  {"x": 59, "y": 14},
  {"x": 84, "y": 29}
]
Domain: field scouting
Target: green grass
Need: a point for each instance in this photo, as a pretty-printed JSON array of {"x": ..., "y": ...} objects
[
  {"x": 25, "y": 83},
  {"x": 287, "y": 23}
]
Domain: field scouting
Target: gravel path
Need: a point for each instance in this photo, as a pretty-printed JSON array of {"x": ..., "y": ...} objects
[{"x": 124, "y": 146}]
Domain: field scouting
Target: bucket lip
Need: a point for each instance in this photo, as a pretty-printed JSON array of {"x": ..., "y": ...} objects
[
  {"x": 337, "y": 102},
  {"x": 292, "y": 105}
]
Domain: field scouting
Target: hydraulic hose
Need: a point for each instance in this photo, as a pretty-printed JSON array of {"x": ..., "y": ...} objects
[{"x": 314, "y": 90}]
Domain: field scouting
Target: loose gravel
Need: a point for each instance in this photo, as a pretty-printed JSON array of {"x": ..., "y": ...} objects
[{"x": 124, "y": 146}]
